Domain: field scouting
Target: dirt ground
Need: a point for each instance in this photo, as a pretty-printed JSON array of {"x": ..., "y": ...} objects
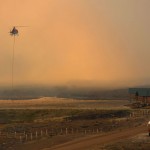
[
  {"x": 90, "y": 143},
  {"x": 137, "y": 142},
  {"x": 106, "y": 140}
]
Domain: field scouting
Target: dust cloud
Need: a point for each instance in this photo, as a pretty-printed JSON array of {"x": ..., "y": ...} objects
[{"x": 101, "y": 42}]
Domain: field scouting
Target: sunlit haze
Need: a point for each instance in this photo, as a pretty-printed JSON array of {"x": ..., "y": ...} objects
[{"x": 99, "y": 41}]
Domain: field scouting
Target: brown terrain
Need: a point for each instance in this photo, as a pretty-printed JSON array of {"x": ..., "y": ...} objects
[
  {"x": 89, "y": 142},
  {"x": 67, "y": 124}
]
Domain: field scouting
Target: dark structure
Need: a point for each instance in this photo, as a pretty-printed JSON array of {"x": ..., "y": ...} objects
[{"x": 140, "y": 95}]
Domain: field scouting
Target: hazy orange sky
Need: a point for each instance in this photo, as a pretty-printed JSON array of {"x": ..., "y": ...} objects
[{"x": 106, "y": 41}]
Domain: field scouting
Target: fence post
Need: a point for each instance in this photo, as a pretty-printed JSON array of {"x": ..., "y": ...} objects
[
  {"x": 41, "y": 133},
  {"x": 133, "y": 114},
  {"x": 130, "y": 115},
  {"x": 97, "y": 130},
  {"x": 15, "y": 134},
  {"x": 46, "y": 132},
  {"x": 36, "y": 134},
  {"x": 31, "y": 137},
  {"x": 66, "y": 131}
]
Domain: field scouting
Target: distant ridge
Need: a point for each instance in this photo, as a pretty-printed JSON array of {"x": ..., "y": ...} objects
[{"x": 63, "y": 92}]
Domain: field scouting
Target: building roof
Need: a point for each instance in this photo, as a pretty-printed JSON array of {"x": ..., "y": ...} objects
[{"x": 140, "y": 91}]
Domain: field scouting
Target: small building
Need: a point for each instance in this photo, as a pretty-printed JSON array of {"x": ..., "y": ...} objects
[{"x": 140, "y": 95}]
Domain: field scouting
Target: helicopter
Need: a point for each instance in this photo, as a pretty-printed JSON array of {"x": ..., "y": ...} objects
[{"x": 14, "y": 31}]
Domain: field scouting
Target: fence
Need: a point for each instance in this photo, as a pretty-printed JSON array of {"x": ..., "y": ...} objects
[
  {"x": 36, "y": 135},
  {"x": 140, "y": 112}
]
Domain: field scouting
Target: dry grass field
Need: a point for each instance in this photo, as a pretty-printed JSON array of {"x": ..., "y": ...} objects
[{"x": 62, "y": 103}]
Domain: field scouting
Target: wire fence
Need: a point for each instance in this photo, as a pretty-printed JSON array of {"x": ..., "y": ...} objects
[
  {"x": 47, "y": 132},
  {"x": 38, "y": 134}
]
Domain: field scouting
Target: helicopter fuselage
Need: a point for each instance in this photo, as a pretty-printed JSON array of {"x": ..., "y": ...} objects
[{"x": 14, "y": 31}]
